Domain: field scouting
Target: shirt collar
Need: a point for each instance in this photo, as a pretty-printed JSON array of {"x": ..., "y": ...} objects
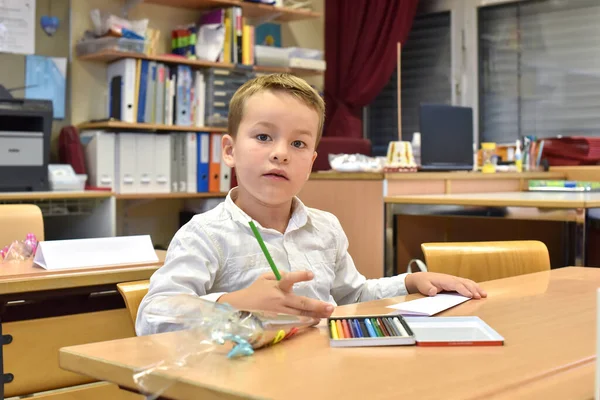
[{"x": 298, "y": 219}]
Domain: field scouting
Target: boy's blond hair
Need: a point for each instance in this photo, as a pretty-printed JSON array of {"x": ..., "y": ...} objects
[{"x": 287, "y": 83}]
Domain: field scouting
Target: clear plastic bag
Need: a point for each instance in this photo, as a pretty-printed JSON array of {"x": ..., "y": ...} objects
[
  {"x": 356, "y": 163},
  {"x": 206, "y": 325},
  {"x": 104, "y": 22},
  {"x": 19, "y": 251}
]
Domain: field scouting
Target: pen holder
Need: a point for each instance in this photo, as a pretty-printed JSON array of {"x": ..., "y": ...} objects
[{"x": 488, "y": 158}]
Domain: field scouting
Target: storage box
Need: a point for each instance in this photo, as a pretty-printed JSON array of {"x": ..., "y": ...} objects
[
  {"x": 396, "y": 330},
  {"x": 271, "y": 56},
  {"x": 62, "y": 178},
  {"x": 109, "y": 43},
  {"x": 299, "y": 52},
  {"x": 221, "y": 84},
  {"x": 281, "y": 56}
]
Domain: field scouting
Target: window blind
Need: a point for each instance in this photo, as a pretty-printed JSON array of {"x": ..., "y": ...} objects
[{"x": 539, "y": 69}]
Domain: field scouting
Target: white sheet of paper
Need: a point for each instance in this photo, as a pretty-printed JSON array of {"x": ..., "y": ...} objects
[
  {"x": 428, "y": 306},
  {"x": 46, "y": 79},
  {"x": 97, "y": 252},
  {"x": 210, "y": 41},
  {"x": 17, "y": 26}
]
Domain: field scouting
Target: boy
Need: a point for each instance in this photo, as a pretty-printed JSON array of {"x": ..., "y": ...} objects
[{"x": 275, "y": 123}]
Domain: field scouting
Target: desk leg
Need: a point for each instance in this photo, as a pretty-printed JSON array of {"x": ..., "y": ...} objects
[
  {"x": 1, "y": 365},
  {"x": 580, "y": 236},
  {"x": 390, "y": 241},
  {"x": 6, "y": 378}
]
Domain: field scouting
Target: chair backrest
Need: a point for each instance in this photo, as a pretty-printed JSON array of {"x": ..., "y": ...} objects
[
  {"x": 17, "y": 220},
  {"x": 133, "y": 293},
  {"x": 484, "y": 261},
  {"x": 338, "y": 145}
]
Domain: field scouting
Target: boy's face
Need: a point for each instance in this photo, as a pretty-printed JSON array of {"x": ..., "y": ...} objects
[{"x": 274, "y": 148}]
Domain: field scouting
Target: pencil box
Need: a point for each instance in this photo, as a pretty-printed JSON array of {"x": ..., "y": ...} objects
[
  {"x": 369, "y": 330},
  {"x": 396, "y": 330}
]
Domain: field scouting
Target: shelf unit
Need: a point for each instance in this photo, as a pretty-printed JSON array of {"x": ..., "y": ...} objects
[
  {"x": 249, "y": 9},
  {"x": 147, "y": 127},
  {"x": 126, "y": 203},
  {"x": 108, "y": 56},
  {"x": 260, "y": 12},
  {"x": 89, "y": 214},
  {"x": 158, "y": 196},
  {"x": 43, "y": 196}
]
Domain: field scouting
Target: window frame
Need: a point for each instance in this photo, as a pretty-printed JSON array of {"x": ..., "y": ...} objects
[{"x": 464, "y": 38}]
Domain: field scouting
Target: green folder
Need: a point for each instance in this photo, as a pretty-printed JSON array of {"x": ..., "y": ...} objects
[{"x": 543, "y": 185}]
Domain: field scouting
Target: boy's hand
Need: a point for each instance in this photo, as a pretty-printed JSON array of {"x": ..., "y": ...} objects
[
  {"x": 268, "y": 294},
  {"x": 431, "y": 283}
]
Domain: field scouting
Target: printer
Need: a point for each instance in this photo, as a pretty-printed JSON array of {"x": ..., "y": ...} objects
[{"x": 25, "y": 130}]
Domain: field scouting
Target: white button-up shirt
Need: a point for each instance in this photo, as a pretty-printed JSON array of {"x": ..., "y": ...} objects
[{"x": 216, "y": 252}]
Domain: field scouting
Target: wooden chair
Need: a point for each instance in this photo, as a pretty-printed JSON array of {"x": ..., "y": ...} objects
[
  {"x": 133, "y": 293},
  {"x": 484, "y": 261},
  {"x": 17, "y": 220}
]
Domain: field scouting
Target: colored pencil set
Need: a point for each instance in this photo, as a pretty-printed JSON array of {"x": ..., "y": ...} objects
[
  {"x": 395, "y": 330},
  {"x": 376, "y": 330}
]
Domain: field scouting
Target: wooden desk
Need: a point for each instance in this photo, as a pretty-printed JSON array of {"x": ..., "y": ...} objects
[
  {"x": 399, "y": 184},
  {"x": 42, "y": 311},
  {"x": 20, "y": 278},
  {"x": 348, "y": 194},
  {"x": 499, "y": 199},
  {"x": 564, "y": 207},
  {"x": 574, "y": 383},
  {"x": 530, "y": 311}
]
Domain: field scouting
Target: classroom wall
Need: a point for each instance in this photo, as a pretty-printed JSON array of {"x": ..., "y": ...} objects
[{"x": 13, "y": 65}]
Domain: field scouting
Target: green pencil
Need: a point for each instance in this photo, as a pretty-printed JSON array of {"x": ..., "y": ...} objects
[{"x": 264, "y": 250}]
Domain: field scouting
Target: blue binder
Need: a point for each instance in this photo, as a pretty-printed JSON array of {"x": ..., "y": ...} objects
[{"x": 203, "y": 160}]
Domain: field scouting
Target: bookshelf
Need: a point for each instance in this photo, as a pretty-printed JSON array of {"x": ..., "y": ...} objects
[
  {"x": 157, "y": 213},
  {"x": 251, "y": 10},
  {"x": 108, "y": 56},
  {"x": 147, "y": 127},
  {"x": 44, "y": 196},
  {"x": 152, "y": 196},
  {"x": 294, "y": 71}
]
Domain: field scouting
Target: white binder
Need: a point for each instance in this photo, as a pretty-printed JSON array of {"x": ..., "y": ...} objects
[
  {"x": 99, "y": 148},
  {"x": 199, "y": 98},
  {"x": 123, "y": 71},
  {"x": 125, "y": 168},
  {"x": 162, "y": 163},
  {"x": 145, "y": 162}
]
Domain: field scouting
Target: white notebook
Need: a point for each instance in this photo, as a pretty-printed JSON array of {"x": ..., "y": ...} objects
[{"x": 428, "y": 306}]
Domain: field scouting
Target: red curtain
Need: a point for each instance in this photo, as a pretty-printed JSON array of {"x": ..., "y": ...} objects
[{"x": 361, "y": 39}]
